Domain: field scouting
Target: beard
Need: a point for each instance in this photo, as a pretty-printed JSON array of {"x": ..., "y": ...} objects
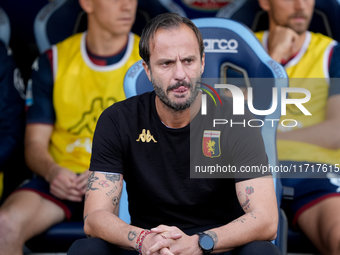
[
  {"x": 163, "y": 96},
  {"x": 299, "y": 28}
]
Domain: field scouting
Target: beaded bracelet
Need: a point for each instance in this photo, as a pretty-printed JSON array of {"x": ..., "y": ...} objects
[
  {"x": 143, "y": 234},
  {"x": 140, "y": 239}
]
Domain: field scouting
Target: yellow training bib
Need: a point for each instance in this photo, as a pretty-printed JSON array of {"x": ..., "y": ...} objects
[
  {"x": 309, "y": 70},
  {"x": 82, "y": 90}
]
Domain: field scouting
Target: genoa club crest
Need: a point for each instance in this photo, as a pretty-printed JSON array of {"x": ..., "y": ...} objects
[{"x": 211, "y": 143}]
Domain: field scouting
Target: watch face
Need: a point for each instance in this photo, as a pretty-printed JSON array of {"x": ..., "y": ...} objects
[{"x": 206, "y": 242}]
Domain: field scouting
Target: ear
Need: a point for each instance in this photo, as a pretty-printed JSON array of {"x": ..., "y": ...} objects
[
  {"x": 203, "y": 63},
  {"x": 147, "y": 70},
  {"x": 264, "y": 4},
  {"x": 86, "y": 5}
]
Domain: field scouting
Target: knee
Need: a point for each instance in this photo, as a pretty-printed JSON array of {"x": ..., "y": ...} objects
[
  {"x": 258, "y": 248},
  {"x": 90, "y": 246},
  {"x": 77, "y": 247},
  {"x": 334, "y": 240},
  {"x": 8, "y": 226}
]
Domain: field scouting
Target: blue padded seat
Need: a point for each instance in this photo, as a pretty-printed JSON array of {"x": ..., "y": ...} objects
[
  {"x": 5, "y": 27},
  {"x": 249, "y": 55}
]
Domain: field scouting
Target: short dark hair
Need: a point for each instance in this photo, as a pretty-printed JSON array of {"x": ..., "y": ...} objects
[{"x": 165, "y": 21}]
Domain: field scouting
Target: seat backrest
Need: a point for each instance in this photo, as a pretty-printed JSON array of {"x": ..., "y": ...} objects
[
  {"x": 60, "y": 19},
  {"x": 56, "y": 21},
  {"x": 325, "y": 16},
  {"x": 230, "y": 43},
  {"x": 5, "y": 27}
]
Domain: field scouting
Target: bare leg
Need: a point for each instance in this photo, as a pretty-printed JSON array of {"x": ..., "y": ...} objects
[
  {"x": 23, "y": 215},
  {"x": 321, "y": 224}
]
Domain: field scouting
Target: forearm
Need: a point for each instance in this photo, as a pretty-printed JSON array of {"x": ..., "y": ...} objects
[
  {"x": 40, "y": 161},
  {"x": 252, "y": 226},
  {"x": 109, "y": 227},
  {"x": 325, "y": 134}
]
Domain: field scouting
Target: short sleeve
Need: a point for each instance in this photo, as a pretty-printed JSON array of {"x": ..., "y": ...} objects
[
  {"x": 247, "y": 148},
  {"x": 334, "y": 72},
  {"x": 107, "y": 146},
  {"x": 39, "y": 99}
]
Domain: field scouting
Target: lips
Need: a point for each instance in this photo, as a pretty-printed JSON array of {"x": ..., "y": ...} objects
[
  {"x": 126, "y": 19},
  {"x": 299, "y": 16},
  {"x": 180, "y": 89}
]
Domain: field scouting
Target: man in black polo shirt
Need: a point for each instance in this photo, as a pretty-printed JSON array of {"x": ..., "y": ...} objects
[{"x": 154, "y": 141}]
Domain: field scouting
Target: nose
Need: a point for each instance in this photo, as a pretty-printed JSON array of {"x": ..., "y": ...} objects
[
  {"x": 179, "y": 73},
  {"x": 128, "y": 4},
  {"x": 300, "y": 4}
]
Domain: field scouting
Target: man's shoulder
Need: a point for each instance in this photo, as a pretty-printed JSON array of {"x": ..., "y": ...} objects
[
  {"x": 70, "y": 39},
  {"x": 133, "y": 104},
  {"x": 136, "y": 37},
  {"x": 319, "y": 35}
]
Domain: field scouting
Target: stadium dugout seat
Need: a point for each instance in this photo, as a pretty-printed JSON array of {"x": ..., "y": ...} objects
[
  {"x": 247, "y": 57},
  {"x": 60, "y": 19},
  {"x": 5, "y": 27},
  {"x": 325, "y": 18}
]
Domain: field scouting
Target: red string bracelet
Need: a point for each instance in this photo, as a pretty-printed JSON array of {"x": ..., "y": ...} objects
[{"x": 141, "y": 241}]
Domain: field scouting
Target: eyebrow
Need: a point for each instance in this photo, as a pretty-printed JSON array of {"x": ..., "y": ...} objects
[{"x": 163, "y": 60}]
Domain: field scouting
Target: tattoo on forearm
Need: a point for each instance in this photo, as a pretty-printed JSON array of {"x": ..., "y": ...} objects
[
  {"x": 86, "y": 196},
  {"x": 112, "y": 191},
  {"x": 90, "y": 182},
  {"x": 244, "y": 200},
  {"x": 104, "y": 184},
  {"x": 242, "y": 220},
  {"x": 252, "y": 215},
  {"x": 112, "y": 177},
  {"x": 115, "y": 200},
  {"x": 85, "y": 217},
  {"x": 249, "y": 190},
  {"x": 132, "y": 235},
  {"x": 213, "y": 235}
]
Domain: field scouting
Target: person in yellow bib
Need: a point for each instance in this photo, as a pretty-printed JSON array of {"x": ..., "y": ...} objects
[
  {"x": 312, "y": 61},
  {"x": 71, "y": 84}
]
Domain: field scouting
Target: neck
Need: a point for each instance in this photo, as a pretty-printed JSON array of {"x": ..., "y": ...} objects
[
  {"x": 177, "y": 119},
  {"x": 102, "y": 43}
]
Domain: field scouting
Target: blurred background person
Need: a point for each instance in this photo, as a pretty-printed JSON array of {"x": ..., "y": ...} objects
[
  {"x": 12, "y": 122},
  {"x": 315, "y": 139}
]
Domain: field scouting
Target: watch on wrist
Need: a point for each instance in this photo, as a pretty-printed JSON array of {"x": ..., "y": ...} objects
[{"x": 205, "y": 242}]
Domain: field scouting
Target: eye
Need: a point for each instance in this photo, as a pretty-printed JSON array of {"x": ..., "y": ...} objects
[
  {"x": 165, "y": 64},
  {"x": 188, "y": 61}
]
